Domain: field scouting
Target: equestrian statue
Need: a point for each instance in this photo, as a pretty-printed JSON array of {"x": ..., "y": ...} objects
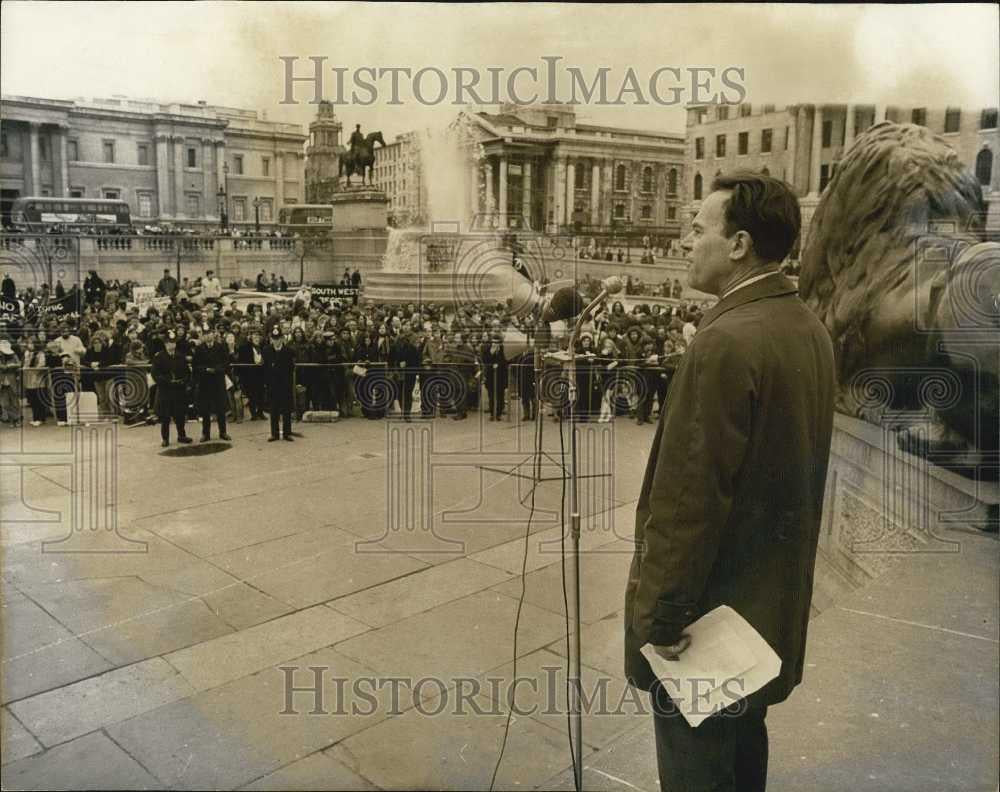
[{"x": 360, "y": 157}]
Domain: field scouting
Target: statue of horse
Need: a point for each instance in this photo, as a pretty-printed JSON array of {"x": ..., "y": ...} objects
[{"x": 361, "y": 158}]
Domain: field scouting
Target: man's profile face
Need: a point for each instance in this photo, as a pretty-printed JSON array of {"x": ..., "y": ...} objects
[{"x": 708, "y": 247}]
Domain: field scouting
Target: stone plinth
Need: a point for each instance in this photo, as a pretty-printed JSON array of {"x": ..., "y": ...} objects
[
  {"x": 883, "y": 504},
  {"x": 359, "y": 207}
]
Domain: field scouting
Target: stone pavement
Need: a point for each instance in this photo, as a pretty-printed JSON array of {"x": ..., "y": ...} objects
[{"x": 269, "y": 564}]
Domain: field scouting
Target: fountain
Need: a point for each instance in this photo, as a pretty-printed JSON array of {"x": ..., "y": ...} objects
[{"x": 450, "y": 260}]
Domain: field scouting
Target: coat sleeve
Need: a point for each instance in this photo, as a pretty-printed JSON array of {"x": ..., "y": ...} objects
[{"x": 703, "y": 445}]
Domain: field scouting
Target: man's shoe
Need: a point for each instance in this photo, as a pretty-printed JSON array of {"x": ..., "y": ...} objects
[
  {"x": 271, "y": 439},
  {"x": 289, "y": 438},
  {"x": 184, "y": 439},
  {"x": 226, "y": 437},
  {"x": 62, "y": 423},
  {"x": 165, "y": 443}
]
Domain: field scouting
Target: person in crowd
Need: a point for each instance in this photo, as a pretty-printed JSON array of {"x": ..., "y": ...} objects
[
  {"x": 356, "y": 279},
  {"x": 210, "y": 367},
  {"x": 172, "y": 375},
  {"x": 93, "y": 288},
  {"x": 211, "y": 288},
  {"x": 67, "y": 350},
  {"x": 279, "y": 374},
  {"x": 95, "y": 373},
  {"x": 261, "y": 282},
  {"x": 35, "y": 379},
  {"x": 7, "y": 288},
  {"x": 10, "y": 384},
  {"x": 433, "y": 375},
  {"x": 304, "y": 374},
  {"x": 495, "y": 371},
  {"x": 372, "y": 387},
  {"x": 405, "y": 358},
  {"x": 522, "y": 368},
  {"x": 282, "y": 284},
  {"x": 249, "y": 372},
  {"x": 588, "y": 380},
  {"x": 339, "y": 356},
  {"x": 460, "y": 360}
]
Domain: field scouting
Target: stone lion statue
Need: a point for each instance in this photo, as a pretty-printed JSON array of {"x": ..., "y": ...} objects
[{"x": 897, "y": 266}]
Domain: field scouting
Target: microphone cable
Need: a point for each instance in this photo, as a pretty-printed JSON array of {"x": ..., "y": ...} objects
[{"x": 536, "y": 466}]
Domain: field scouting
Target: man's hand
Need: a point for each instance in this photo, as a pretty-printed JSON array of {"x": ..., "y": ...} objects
[{"x": 674, "y": 651}]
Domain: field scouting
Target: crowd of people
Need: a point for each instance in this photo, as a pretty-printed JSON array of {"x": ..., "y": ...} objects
[{"x": 212, "y": 358}]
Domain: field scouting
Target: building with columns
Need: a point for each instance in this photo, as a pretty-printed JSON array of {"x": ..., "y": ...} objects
[
  {"x": 170, "y": 162},
  {"x": 539, "y": 164},
  {"x": 803, "y": 144}
]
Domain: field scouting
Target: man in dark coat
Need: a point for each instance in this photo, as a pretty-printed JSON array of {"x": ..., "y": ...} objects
[
  {"x": 171, "y": 373},
  {"x": 279, "y": 373},
  {"x": 250, "y": 358},
  {"x": 495, "y": 373},
  {"x": 211, "y": 364},
  {"x": 730, "y": 507},
  {"x": 405, "y": 358},
  {"x": 523, "y": 368}
]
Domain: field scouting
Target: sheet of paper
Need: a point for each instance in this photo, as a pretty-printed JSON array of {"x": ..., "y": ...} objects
[{"x": 726, "y": 661}]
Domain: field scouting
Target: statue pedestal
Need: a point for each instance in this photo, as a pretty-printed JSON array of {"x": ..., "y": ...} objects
[
  {"x": 883, "y": 505},
  {"x": 359, "y": 207}
]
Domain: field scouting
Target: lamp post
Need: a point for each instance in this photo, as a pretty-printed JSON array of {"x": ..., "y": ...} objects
[
  {"x": 256, "y": 214},
  {"x": 224, "y": 193}
]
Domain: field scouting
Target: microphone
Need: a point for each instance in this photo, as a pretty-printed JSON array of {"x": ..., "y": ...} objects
[
  {"x": 612, "y": 285},
  {"x": 565, "y": 304}
]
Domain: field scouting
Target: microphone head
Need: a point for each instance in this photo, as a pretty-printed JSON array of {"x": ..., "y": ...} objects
[
  {"x": 613, "y": 285},
  {"x": 565, "y": 304}
]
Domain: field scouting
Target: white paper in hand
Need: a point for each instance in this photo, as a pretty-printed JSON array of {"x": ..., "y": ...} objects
[{"x": 726, "y": 661}]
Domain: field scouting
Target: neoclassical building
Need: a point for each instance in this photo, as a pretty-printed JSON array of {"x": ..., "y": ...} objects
[
  {"x": 803, "y": 144},
  {"x": 539, "y": 163},
  {"x": 171, "y": 162}
]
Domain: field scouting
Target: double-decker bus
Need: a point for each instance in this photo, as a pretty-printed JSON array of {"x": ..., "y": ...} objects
[
  {"x": 306, "y": 218},
  {"x": 39, "y": 213}
]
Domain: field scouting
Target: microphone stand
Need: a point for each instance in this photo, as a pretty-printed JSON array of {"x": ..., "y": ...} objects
[{"x": 575, "y": 661}]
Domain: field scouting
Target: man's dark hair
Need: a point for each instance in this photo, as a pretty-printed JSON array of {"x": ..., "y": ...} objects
[{"x": 764, "y": 207}]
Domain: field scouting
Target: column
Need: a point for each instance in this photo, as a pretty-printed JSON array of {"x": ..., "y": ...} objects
[
  {"x": 879, "y": 114},
  {"x": 503, "y": 191},
  {"x": 792, "y": 153},
  {"x": 595, "y": 193},
  {"x": 607, "y": 192},
  {"x": 63, "y": 163},
  {"x": 526, "y": 192},
  {"x": 816, "y": 150},
  {"x": 208, "y": 189},
  {"x": 279, "y": 182},
  {"x": 849, "y": 128},
  {"x": 559, "y": 191},
  {"x": 472, "y": 174},
  {"x": 570, "y": 188},
  {"x": 490, "y": 204},
  {"x": 36, "y": 177},
  {"x": 179, "y": 203},
  {"x": 163, "y": 203}
]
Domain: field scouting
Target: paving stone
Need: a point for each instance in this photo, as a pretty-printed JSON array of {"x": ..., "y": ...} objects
[
  {"x": 317, "y": 772},
  {"x": 422, "y": 750},
  {"x": 16, "y": 742},
  {"x": 243, "y": 606},
  {"x": 602, "y": 591},
  {"x": 609, "y": 706},
  {"x": 602, "y": 644},
  {"x": 73, "y": 710},
  {"x": 215, "y": 662},
  {"x": 461, "y": 638},
  {"x": 627, "y": 764},
  {"x": 236, "y": 733},
  {"x": 39, "y": 653},
  {"x": 417, "y": 592},
  {"x": 89, "y": 762}
]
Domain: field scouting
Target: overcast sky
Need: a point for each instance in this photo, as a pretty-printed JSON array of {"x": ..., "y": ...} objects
[{"x": 228, "y": 53}]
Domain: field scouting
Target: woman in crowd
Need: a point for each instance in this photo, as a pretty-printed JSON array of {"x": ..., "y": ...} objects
[
  {"x": 10, "y": 384},
  {"x": 36, "y": 381},
  {"x": 302, "y": 349}
]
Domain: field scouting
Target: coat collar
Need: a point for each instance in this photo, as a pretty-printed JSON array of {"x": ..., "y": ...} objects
[{"x": 775, "y": 285}]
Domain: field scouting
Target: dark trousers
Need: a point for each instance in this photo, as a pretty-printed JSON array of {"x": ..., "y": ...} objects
[
  {"x": 286, "y": 420},
  {"x": 178, "y": 419},
  {"x": 496, "y": 396},
  {"x": 206, "y": 423},
  {"x": 726, "y": 753},
  {"x": 37, "y": 402},
  {"x": 408, "y": 381}
]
